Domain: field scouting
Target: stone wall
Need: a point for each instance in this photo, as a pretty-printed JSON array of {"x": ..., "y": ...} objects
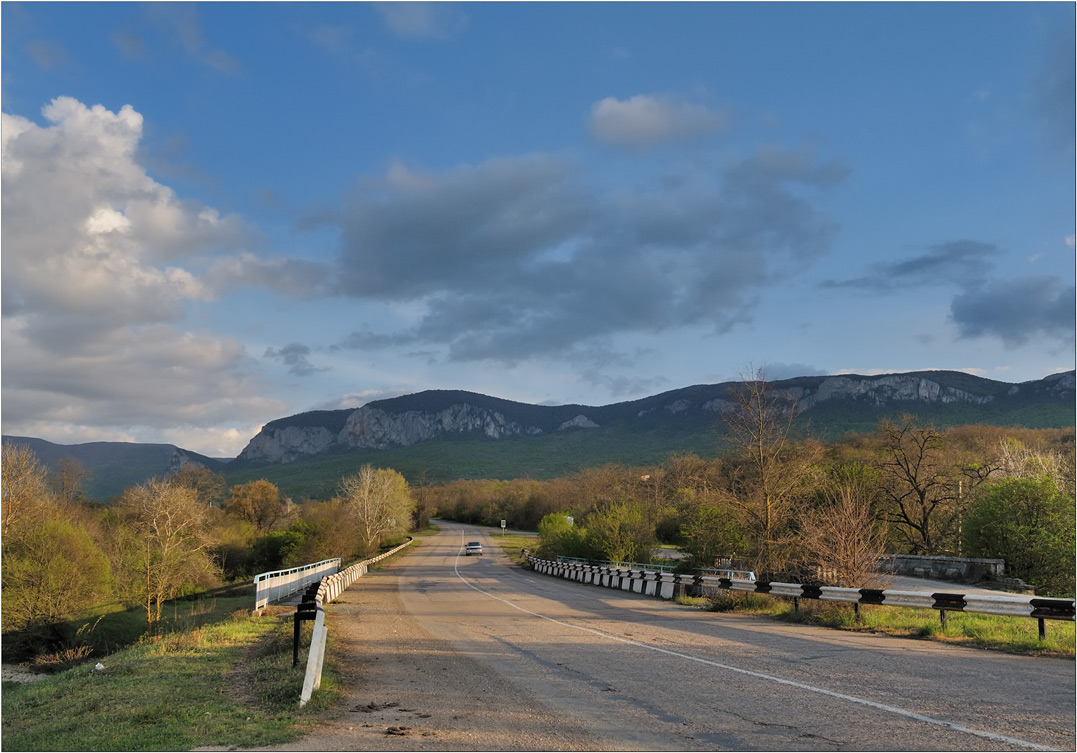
[{"x": 959, "y": 569}]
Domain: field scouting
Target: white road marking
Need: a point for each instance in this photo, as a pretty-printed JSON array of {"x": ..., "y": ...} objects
[{"x": 780, "y": 680}]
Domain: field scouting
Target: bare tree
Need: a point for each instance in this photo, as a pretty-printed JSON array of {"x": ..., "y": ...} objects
[
  {"x": 842, "y": 535},
  {"x": 773, "y": 466},
  {"x": 920, "y": 496},
  {"x": 207, "y": 484},
  {"x": 25, "y": 488},
  {"x": 165, "y": 543},
  {"x": 380, "y": 501},
  {"x": 67, "y": 480}
]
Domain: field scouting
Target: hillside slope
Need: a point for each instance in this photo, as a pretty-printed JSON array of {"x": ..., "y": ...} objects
[{"x": 111, "y": 467}]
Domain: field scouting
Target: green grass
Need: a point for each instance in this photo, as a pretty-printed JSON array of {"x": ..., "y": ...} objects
[
  {"x": 111, "y": 627},
  {"x": 1018, "y": 635},
  {"x": 228, "y": 684},
  {"x": 512, "y": 543}
]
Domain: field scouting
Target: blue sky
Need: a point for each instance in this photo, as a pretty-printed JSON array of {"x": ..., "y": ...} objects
[{"x": 219, "y": 214}]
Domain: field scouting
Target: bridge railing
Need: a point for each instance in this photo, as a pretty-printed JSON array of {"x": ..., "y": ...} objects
[
  {"x": 276, "y": 585},
  {"x": 320, "y": 593},
  {"x": 670, "y": 585}
]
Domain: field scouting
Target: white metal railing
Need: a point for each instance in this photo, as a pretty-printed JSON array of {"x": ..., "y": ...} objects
[
  {"x": 277, "y": 584},
  {"x": 330, "y": 588},
  {"x": 669, "y": 585}
]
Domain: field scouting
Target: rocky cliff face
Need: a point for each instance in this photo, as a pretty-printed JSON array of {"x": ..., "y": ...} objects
[
  {"x": 401, "y": 422},
  {"x": 284, "y": 444},
  {"x": 372, "y": 428}
]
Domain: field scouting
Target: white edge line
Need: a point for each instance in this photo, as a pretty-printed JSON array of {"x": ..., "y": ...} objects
[{"x": 792, "y": 683}]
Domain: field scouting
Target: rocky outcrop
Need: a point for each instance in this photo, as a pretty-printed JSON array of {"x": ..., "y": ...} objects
[
  {"x": 286, "y": 443},
  {"x": 579, "y": 422},
  {"x": 890, "y": 388},
  {"x": 373, "y": 428}
]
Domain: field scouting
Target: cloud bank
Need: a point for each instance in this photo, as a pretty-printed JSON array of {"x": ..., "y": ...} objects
[{"x": 100, "y": 265}]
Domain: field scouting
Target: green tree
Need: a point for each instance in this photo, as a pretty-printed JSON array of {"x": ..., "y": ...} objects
[
  {"x": 259, "y": 503},
  {"x": 380, "y": 503},
  {"x": 52, "y": 571},
  {"x": 712, "y": 531},
  {"x": 620, "y": 531},
  {"x": 1030, "y": 524},
  {"x": 559, "y": 535}
]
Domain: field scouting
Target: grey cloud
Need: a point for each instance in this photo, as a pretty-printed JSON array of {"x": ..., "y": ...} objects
[
  {"x": 298, "y": 278},
  {"x": 515, "y": 258},
  {"x": 46, "y": 55},
  {"x": 129, "y": 43},
  {"x": 296, "y": 357},
  {"x": 367, "y": 339},
  {"x": 1016, "y": 310},
  {"x": 471, "y": 227},
  {"x": 962, "y": 262}
]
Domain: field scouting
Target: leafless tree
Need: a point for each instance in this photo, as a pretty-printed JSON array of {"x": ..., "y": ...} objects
[
  {"x": 920, "y": 494},
  {"x": 842, "y": 536},
  {"x": 25, "y": 488},
  {"x": 380, "y": 501},
  {"x": 164, "y": 542},
  {"x": 772, "y": 466}
]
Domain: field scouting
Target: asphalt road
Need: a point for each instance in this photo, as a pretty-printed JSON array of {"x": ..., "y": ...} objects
[{"x": 592, "y": 668}]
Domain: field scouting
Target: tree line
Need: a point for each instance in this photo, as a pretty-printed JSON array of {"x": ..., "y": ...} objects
[
  {"x": 790, "y": 507},
  {"x": 169, "y": 537}
]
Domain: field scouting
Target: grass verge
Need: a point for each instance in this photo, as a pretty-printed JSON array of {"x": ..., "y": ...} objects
[
  {"x": 228, "y": 684},
  {"x": 1016, "y": 635},
  {"x": 512, "y": 543}
]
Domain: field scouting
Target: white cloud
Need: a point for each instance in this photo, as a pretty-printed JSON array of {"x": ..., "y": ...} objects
[
  {"x": 101, "y": 263},
  {"x": 646, "y": 120},
  {"x": 86, "y": 230}
]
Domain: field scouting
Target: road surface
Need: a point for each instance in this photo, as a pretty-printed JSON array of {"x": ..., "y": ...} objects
[{"x": 447, "y": 652}]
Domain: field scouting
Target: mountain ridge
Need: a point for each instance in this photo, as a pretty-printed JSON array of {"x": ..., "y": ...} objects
[
  {"x": 453, "y": 433},
  {"x": 409, "y": 419}
]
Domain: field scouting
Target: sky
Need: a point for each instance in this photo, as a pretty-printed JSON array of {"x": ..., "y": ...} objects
[{"x": 219, "y": 214}]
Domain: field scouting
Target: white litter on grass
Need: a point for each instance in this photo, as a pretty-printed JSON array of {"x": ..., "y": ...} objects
[{"x": 99, "y": 667}]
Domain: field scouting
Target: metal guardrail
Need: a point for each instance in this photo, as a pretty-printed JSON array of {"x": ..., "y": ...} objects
[
  {"x": 717, "y": 571},
  {"x": 318, "y": 595},
  {"x": 667, "y": 586},
  {"x": 277, "y": 584}
]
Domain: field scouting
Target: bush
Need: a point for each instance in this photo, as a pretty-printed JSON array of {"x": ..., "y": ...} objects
[{"x": 1028, "y": 523}]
